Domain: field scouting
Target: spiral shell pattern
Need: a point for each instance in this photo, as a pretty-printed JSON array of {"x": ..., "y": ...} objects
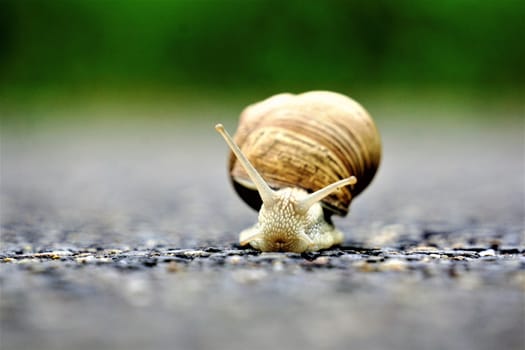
[{"x": 307, "y": 141}]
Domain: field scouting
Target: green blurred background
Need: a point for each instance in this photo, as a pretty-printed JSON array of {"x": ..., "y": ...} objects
[{"x": 72, "y": 52}]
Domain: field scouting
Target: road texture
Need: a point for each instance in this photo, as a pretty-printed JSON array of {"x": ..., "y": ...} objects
[{"x": 123, "y": 236}]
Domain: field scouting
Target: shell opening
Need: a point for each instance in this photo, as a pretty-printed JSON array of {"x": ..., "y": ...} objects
[{"x": 266, "y": 193}]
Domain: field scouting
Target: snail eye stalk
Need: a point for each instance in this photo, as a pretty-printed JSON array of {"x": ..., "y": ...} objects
[
  {"x": 266, "y": 193},
  {"x": 315, "y": 197}
]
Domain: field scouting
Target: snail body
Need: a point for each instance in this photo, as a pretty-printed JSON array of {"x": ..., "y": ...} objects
[{"x": 299, "y": 159}]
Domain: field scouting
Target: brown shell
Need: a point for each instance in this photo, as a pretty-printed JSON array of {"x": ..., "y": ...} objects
[{"x": 308, "y": 141}]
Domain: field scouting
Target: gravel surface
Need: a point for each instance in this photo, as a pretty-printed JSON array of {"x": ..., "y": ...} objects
[{"x": 124, "y": 237}]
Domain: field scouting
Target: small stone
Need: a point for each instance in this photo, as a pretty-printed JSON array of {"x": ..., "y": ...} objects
[
  {"x": 55, "y": 255},
  {"x": 85, "y": 259},
  {"x": 113, "y": 251},
  {"x": 424, "y": 249},
  {"x": 488, "y": 252},
  {"x": 234, "y": 259},
  {"x": 196, "y": 254},
  {"x": 396, "y": 265},
  {"x": 322, "y": 260}
]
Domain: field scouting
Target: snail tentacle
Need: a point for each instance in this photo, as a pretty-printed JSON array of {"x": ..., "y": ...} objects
[
  {"x": 315, "y": 197},
  {"x": 266, "y": 193}
]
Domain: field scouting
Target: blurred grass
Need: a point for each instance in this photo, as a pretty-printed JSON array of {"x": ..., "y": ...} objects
[
  {"x": 171, "y": 110},
  {"x": 67, "y": 59}
]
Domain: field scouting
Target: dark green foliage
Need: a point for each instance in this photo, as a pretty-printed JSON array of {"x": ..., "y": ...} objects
[{"x": 251, "y": 44}]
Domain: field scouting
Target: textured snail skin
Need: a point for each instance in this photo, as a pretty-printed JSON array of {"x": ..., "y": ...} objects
[
  {"x": 281, "y": 227},
  {"x": 298, "y": 159}
]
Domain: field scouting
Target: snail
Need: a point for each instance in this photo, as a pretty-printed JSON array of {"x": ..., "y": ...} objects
[{"x": 299, "y": 159}]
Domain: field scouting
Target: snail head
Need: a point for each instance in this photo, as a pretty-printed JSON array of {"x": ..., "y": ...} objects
[{"x": 290, "y": 218}]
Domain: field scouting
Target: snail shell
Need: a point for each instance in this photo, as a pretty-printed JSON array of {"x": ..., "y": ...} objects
[{"x": 307, "y": 141}]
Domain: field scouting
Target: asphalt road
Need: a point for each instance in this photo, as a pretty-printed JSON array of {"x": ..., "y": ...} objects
[{"x": 123, "y": 236}]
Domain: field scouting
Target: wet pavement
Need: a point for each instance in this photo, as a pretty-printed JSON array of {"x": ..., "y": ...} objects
[{"x": 124, "y": 237}]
